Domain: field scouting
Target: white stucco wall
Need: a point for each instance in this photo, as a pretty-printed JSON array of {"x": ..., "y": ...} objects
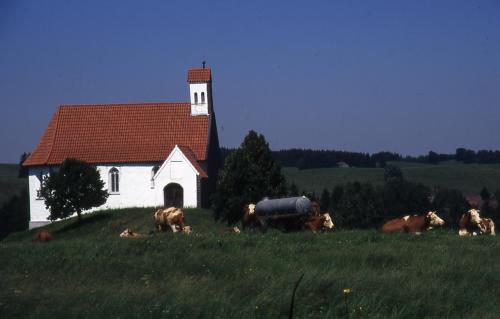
[{"x": 135, "y": 189}]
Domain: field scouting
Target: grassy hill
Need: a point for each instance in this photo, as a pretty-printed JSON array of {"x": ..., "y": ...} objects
[
  {"x": 87, "y": 271},
  {"x": 468, "y": 178},
  {"x": 10, "y": 184}
]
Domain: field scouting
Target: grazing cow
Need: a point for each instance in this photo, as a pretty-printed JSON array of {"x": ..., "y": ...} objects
[
  {"x": 172, "y": 217},
  {"x": 316, "y": 223},
  {"x": 43, "y": 236},
  {"x": 470, "y": 223},
  {"x": 487, "y": 226},
  {"x": 412, "y": 224},
  {"x": 249, "y": 216}
]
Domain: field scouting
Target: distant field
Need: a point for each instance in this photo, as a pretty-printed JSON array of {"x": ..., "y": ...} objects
[
  {"x": 89, "y": 272},
  {"x": 9, "y": 183},
  {"x": 468, "y": 178}
]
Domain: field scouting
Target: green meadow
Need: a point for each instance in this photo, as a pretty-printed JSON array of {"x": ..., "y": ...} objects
[
  {"x": 87, "y": 271},
  {"x": 467, "y": 178}
]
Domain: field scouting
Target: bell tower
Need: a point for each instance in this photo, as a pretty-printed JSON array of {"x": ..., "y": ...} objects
[{"x": 200, "y": 90}]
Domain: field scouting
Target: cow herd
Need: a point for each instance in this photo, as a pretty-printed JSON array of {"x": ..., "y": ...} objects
[
  {"x": 172, "y": 218},
  {"x": 470, "y": 223}
]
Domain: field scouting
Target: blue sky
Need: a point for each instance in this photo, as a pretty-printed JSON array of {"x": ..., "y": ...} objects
[{"x": 404, "y": 76}]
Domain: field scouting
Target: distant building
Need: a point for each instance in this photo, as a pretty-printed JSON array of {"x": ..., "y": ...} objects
[
  {"x": 148, "y": 154},
  {"x": 342, "y": 164}
]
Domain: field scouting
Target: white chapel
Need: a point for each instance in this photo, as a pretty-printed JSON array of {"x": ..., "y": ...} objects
[{"x": 148, "y": 154}]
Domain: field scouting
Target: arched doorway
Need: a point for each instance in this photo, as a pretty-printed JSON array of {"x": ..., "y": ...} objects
[{"x": 173, "y": 195}]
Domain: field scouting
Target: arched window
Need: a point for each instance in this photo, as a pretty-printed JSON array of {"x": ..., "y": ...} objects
[
  {"x": 40, "y": 180},
  {"x": 196, "y": 98},
  {"x": 114, "y": 180},
  {"x": 202, "y": 97},
  {"x": 154, "y": 170}
]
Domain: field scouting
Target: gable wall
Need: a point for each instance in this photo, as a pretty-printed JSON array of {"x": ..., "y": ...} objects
[{"x": 135, "y": 187}]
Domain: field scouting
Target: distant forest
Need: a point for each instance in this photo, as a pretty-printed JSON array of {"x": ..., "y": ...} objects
[{"x": 308, "y": 158}]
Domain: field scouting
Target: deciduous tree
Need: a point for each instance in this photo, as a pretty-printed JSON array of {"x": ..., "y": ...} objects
[{"x": 75, "y": 187}]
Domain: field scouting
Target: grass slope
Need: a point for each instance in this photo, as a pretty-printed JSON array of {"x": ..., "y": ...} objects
[
  {"x": 468, "y": 178},
  {"x": 89, "y": 272},
  {"x": 9, "y": 183}
]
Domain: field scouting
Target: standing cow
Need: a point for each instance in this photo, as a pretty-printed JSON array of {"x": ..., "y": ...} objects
[
  {"x": 415, "y": 224},
  {"x": 171, "y": 217}
]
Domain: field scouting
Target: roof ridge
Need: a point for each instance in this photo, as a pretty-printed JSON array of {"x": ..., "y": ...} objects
[{"x": 123, "y": 104}]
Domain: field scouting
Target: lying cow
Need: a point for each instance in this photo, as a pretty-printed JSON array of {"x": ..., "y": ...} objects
[
  {"x": 469, "y": 223},
  {"x": 43, "y": 236},
  {"x": 317, "y": 223},
  {"x": 415, "y": 224},
  {"x": 487, "y": 226},
  {"x": 127, "y": 233},
  {"x": 171, "y": 217}
]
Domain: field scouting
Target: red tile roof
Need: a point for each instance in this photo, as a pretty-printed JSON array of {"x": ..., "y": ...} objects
[
  {"x": 121, "y": 133},
  {"x": 192, "y": 158},
  {"x": 199, "y": 75}
]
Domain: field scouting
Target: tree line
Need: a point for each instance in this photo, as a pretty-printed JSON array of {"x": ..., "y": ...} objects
[{"x": 309, "y": 158}]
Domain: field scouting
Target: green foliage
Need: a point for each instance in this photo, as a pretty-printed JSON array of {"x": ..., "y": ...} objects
[
  {"x": 485, "y": 194},
  {"x": 359, "y": 206},
  {"x": 325, "y": 200},
  {"x": 433, "y": 157},
  {"x": 392, "y": 172},
  {"x": 75, "y": 187},
  {"x": 450, "y": 204},
  {"x": 249, "y": 174},
  {"x": 362, "y": 205},
  {"x": 14, "y": 214},
  {"x": 88, "y": 271},
  {"x": 293, "y": 190},
  {"x": 404, "y": 197}
]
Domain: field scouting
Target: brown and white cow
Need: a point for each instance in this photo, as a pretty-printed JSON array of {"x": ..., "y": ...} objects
[
  {"x": 414, "y": 224},
  {"x": 127, "y": 233},
  {"x": 317, "y": 223},
  {"x": 487, "y": 226},
  {"x": 249, "y": 216},
  {"x": 470, "y": 223},
  {"x": 171, "y": 217}
]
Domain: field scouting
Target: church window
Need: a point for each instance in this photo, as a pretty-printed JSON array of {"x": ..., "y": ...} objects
[
  {"x": 39, "y": 190},
  {"x": 196, "y": 98},
  {"x": 202, "y": 97},
  {"x": 114, "y": 181},
  {"x": 153, "y": 173}
]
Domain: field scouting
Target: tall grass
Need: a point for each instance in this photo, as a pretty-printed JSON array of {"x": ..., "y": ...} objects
[{"x": 89, "y": 272}]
